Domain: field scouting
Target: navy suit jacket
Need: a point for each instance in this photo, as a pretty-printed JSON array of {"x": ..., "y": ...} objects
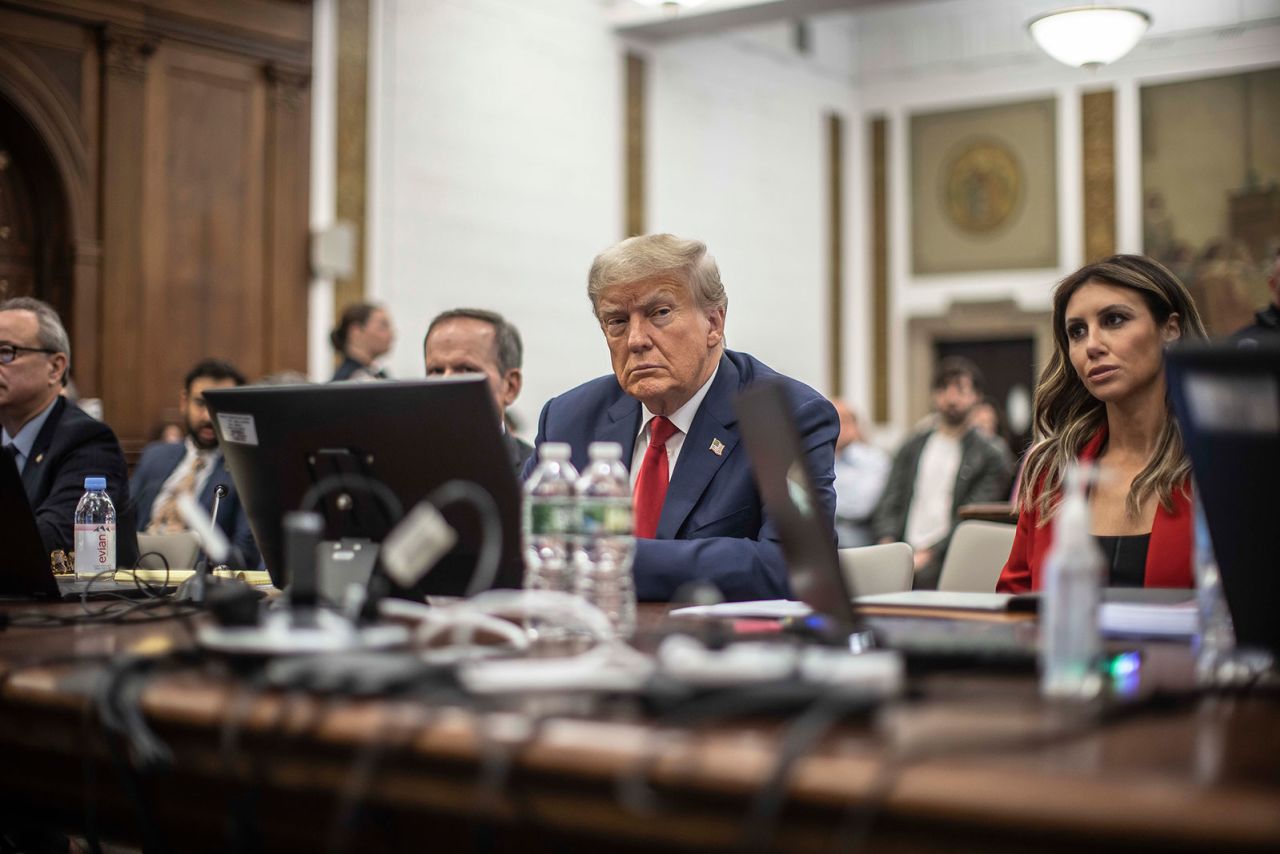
[
  {"x": 713, "y": 527},
  {"x": 159, "y": 459},
  {"x": 71, "y": 446}
]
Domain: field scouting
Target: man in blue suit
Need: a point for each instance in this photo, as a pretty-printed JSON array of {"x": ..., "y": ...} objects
[
  {"x": 194, "y": 466},
  {"x": 669, "y": 404}
]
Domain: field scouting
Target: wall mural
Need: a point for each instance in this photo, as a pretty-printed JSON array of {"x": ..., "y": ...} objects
[{"x": 1211, "y": 189}]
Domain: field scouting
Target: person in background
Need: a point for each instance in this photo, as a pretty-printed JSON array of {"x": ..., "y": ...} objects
[
  {"x": 661, "y": 305},
  {"x": 1266, "y": 323},
  {"x": 363, "y": 335},
  {"x": 194, "y": 467},
  {"x": 475, "y": 341},
  {"x": 1103, "y": 398},
  {"x": 938, "y": 471},
  {"x": 53, "y": 443},
  {"x": 861, "y": 471},
  {"x": 985, "y": 418}
]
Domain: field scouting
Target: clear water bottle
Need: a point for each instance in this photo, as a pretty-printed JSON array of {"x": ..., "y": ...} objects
[
  {"x": 606, "y": 546},
  {"x": 1070, "y": 643},
  {"x": 550, "y": 523},
  {"x": 95, "y": 529},
  {"x": 1216, "y": 640}
]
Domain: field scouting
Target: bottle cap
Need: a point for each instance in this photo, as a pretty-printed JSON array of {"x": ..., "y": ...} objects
[
  {"x": 94, "y": 484},
  {"x": 604, "y": 451},
  {"x": 554, "y": 451}
]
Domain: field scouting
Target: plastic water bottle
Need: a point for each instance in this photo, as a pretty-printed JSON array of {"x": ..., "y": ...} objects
[
  {"x": 1070, "y": 644},
  {"x": 606, "y": 546},
  {"x": 550, "y": 523},
  {"x": 1216, "y": 640},
  {"x": 95, "y": 529}
]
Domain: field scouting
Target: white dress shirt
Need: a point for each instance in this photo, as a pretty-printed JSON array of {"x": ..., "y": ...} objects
[{"x": 682, "y": 418}]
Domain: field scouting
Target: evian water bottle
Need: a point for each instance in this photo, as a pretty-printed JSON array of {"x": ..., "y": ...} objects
[{"x": 95, "y": 529}]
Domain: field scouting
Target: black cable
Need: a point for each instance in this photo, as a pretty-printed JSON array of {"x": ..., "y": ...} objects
[{"x": 489, "y": 560}]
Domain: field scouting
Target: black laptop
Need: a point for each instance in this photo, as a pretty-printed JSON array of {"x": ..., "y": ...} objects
[
  {"x": 1227, "y": 400},
  {"x": 25, "y": 572},
  {"x": 813, "y": 563}
]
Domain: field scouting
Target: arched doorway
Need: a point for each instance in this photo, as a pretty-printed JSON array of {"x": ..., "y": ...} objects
[{"x": 35, "y": 242}]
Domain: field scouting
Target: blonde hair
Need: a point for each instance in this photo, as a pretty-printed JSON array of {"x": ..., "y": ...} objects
[
  {"x": 649, "y": 255},
  {"x": 1067, "y": 416}
]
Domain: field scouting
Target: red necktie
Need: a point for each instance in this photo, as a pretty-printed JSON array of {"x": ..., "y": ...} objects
[{"x": 651, "y": 483}]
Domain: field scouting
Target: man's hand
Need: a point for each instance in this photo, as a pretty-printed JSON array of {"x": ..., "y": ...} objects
[{"x": 921, "y": 558}]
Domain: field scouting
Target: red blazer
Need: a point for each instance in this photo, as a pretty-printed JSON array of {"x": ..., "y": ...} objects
[{"x": 1168, "y": 555}]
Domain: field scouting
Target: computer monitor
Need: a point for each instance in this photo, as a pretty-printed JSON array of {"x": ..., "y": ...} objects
[
  {"x": 1227, "y": 402},
  {"x": 280, "y": 441}
]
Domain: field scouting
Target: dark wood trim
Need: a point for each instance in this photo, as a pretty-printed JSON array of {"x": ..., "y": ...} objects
[
  {"x": 1098, "y": 144},
  {"x": 835, "y": 253},
  {"x": 352, "y": 143},
  {"x": 879, "y": 131},
  {"x": 633, "y": 142}
]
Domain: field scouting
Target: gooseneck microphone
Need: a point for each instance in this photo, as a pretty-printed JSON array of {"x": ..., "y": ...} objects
[{"x": 219, "y": 493}]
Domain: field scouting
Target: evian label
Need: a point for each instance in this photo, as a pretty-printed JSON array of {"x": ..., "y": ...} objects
[{"x": 95, "y": 549}]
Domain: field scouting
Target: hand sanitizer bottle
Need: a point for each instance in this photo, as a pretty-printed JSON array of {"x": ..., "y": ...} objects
[{"x": 1070, "y": 645}]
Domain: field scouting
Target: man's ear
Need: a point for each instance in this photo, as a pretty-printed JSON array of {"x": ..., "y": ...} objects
[
  {"x": 512, "y": 382},
  {"x": 57, "y": 368},
  {"x": 715, "y": 334},
  {"x": 183, "y": 397}
]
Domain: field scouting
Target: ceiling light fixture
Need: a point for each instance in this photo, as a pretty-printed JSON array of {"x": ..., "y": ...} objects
[{"x": 1089, "y": 36}]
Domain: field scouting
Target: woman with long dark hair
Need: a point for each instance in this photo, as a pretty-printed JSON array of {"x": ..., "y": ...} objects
[{"x": 1103, "y": 398}]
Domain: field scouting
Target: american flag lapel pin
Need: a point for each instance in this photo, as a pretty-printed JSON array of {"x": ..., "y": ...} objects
[{"x": 717, "y": 447}]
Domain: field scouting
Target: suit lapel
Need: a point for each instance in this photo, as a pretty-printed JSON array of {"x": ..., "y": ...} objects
[
  {"x": 37, "y": 463},
  {"x": 698, "y": 463},
  {"x": 621, "y": 423}
]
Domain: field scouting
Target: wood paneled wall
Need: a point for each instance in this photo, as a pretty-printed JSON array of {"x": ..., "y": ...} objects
[{"x": 180, "y": 132}]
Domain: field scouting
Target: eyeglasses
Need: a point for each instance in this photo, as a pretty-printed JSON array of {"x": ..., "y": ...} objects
[{"x": 9, "y": 352}]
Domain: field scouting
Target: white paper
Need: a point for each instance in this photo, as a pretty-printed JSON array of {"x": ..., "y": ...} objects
[
  {"x": 1132, "y": 619},
  {"x": 940, "y": 599},
  {"x": 765, "y": 609}
]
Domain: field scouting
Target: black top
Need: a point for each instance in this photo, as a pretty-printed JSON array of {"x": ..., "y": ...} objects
[
  {"x": 350, "y": 369},
  {"x": 1126, "y": 558}
]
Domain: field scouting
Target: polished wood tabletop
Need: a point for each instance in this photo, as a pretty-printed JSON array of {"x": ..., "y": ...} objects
[{"x": 966, "y": 760}]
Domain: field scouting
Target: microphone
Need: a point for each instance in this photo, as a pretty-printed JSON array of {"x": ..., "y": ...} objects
[{"x": 219, "y": 493}]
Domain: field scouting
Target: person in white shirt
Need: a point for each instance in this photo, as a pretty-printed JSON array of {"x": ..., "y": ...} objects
[
  {"x": 939, "y": 470},
  {"x": 861, "y": 472}
]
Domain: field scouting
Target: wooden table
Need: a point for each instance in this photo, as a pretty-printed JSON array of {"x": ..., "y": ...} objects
[{"x": 972, "y": 761}]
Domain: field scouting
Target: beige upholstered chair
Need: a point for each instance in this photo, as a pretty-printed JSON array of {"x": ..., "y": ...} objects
[
  {"x": 877, "y": 569},
  {"x": 977, "y": 553}
]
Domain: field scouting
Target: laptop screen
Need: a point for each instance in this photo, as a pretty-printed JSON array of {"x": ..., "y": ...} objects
[
  {"x": 806, "y": 535},
  {"x": 1227, "y": 402}
]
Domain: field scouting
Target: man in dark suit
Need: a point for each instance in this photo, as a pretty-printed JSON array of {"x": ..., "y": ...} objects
[
  {"x": 669, "y": 404},
  {"x": 194, "y": 467},
  {"x": 53, "y": 442},
  {"x": 476, "y": 341},
  {"x": 939, "y": 470}
]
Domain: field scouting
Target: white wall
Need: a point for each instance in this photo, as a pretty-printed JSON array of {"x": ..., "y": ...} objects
[{"x": 495, "y": 174}]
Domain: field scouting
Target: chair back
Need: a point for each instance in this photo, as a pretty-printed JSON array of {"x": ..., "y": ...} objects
[
  {"x": 977, "y": 553},
  {"x": 179, "y": 549},
  {"x": 884, "y": 568}
]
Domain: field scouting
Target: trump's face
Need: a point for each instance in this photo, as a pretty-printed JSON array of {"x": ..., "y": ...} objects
[{"x": 662, "y": 344}]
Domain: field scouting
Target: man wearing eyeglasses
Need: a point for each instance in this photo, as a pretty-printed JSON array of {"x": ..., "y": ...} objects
[{"x": 54, "y": 444}]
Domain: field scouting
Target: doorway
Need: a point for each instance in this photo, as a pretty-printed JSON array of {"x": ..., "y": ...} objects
[{"x": 1008, "y": 369}]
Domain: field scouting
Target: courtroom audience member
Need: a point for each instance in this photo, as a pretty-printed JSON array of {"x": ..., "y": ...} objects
[
  {"x": 861, "y": 471},
  {"x": 363, "y": 335},
  {"x": 54, "y": 444},
  {"x": 1265, "y": 328},
  {"x": 1103, "y": 398},
  {"x": 476, "y": 341},
  {"x": 195, "y": 468},
  {"x": 661, "y": 306},
  {"x": 985, "y": 418},
  {"x": 939, "y": 470}
]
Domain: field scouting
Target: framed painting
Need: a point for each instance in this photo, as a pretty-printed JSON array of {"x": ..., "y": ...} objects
[{"x": 984, "y": 189}]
